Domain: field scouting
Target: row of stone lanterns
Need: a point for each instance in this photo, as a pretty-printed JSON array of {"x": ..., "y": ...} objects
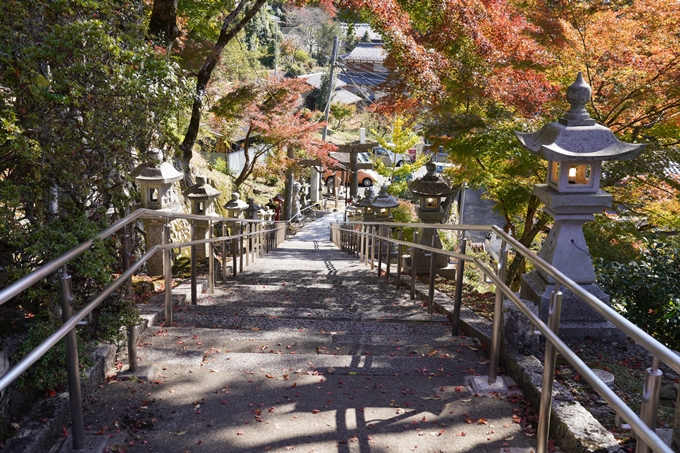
[
  {"x": 238, "y": 209},
  {"x": 156, "y": 181},
  {"x": 375, "y": 209}
]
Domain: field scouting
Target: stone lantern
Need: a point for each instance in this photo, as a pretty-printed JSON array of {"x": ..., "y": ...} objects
[
  {"x": 201, "y": 196},
  {"x": 253, "y": 211},
  {"x": 383, "y": 204},
  {"x": 268, "y": 214},
  {"x": 575, "y": 147},
  {"x": 366, "y": 205},
  {"x": 236, "y": 206},
  {"x": 156, "y": 179},
  {"x": 432, "y": 190}
]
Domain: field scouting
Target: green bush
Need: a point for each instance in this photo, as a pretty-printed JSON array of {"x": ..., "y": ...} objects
[
  {"x": 647, "y": 290},
  {"x": 48, "y": 375},
  {"x": 90, "y": 273},
  {"x": 405, "y": 213}
]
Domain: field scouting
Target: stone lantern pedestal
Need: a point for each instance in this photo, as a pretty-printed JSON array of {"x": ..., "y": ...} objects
[
  {"x": 155, "y": 179},
  {"x": 575, "y": 147},
  {"x": 201, "y": 195}
]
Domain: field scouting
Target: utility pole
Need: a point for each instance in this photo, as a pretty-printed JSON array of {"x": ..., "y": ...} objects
[
  {"x": 314, "y": 179},
  {"x": 331, "y": 87}
]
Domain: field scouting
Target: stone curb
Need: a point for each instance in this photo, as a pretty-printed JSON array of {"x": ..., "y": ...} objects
[{"x": 38, "y": 436}]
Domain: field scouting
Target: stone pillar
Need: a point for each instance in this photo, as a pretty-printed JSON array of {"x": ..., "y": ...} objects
[{"x": 314, "y": 185}]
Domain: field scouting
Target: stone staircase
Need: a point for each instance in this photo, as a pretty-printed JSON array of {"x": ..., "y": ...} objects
[{"x": 307, "y": 350}]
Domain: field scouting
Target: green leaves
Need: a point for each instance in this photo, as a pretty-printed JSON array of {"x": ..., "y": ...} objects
[{"x": 647, "y": 290}]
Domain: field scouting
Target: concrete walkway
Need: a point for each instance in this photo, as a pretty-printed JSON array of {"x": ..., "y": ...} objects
[{"x": 307, "y": 350}]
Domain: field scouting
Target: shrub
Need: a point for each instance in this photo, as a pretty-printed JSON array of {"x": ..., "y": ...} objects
[
  {"x": 647, "y": 290},
  {"x": 90, "y": 274}
]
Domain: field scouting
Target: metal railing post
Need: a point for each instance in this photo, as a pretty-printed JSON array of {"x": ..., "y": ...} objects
[
  {"x": 548, "y": 373},
  {"x": 388, "y": 253},
  {"x": 497, "y": 318},
  {"x": 364, "y": 244},
  {"x": 399, "y": 253},
  {"x": 650, "y": 402},
  {"x": 360, "y": 245},
  {"x": 132, "y": 329},
  {"x": 224, "y": 253},
  {"x": 234, "y": 250},
  {"x": 211, "y": 257},
  {"x": 242, "y": 250},
  {"x": 433, "y": 274},
  {"x": 457, "y": 299},
  {"x": 72, "y": 366},
  {"x": 372, "y": 246},
  {"x": 414, "y": 252},
  {"x": 194, "y": 289},
  {"x": 167, "y": 269},
  {"x": 380, "y": 249}
]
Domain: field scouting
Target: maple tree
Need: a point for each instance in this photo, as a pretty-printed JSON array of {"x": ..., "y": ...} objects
[
  {"x": 630, "y": 55},
  {"x": 270, "y": 115},
  {"x": 215, "y": 22},
  {"x": 477, "y": 69}
]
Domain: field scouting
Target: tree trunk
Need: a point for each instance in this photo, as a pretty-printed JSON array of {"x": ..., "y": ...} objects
[
  {"x": 163, "y": 21},
  {"x": 531, "y": 229},
  {"x": 230, "y": 28},
  {"x": 247, "y": 167}
]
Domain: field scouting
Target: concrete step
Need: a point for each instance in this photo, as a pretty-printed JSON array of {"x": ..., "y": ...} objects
[{"x": 292, "y": 342}]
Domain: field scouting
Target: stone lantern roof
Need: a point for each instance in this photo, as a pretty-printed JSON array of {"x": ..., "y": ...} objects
[
  {"x": 156, "y": 171},
  {"x": 431, "y": 185},
  {"x": 385, "y": 200},
  {"x": 201, "y": 190},
  {"x": 576, "y": 136},
  {"x": 367, "y": 200}
]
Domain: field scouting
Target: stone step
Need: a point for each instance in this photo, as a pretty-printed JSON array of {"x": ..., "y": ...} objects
[
  {"x": 287, "y": 364},
  {"x": 377, "y": 314},
  {"x": 292, "y": 342}
]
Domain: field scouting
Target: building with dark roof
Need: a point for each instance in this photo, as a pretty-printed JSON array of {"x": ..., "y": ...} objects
[{"x": 363, "y": 69}]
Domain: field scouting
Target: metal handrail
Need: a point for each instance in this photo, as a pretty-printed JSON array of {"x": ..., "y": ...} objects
[
  {"x": 646, "y": 434},
  {"x": 69, "y": 324},
  {"x": 49, "y": 342},
  {"x": 29, "y": 280}
]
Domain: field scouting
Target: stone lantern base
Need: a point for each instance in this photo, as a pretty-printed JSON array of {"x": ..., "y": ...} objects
[{"x": 577, "y": 320}]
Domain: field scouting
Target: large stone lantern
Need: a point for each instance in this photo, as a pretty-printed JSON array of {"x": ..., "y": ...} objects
[
  {"x": 432, "y": 191},
  {"x": 383, "y": 205},
  {"x": 156, "y": 183},
  {"x": 236, "y": 206},
  {"x": 575, "y": 147},
  {"x": 201, "y": 196}
]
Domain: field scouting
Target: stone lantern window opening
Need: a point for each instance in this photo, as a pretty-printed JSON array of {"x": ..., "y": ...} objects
[
  {"x": 574, "y": 176},
  {"x": 153, "y": 195},
  {"x": 430, "y": 203},
  {"x": 200, "y": 207}
]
